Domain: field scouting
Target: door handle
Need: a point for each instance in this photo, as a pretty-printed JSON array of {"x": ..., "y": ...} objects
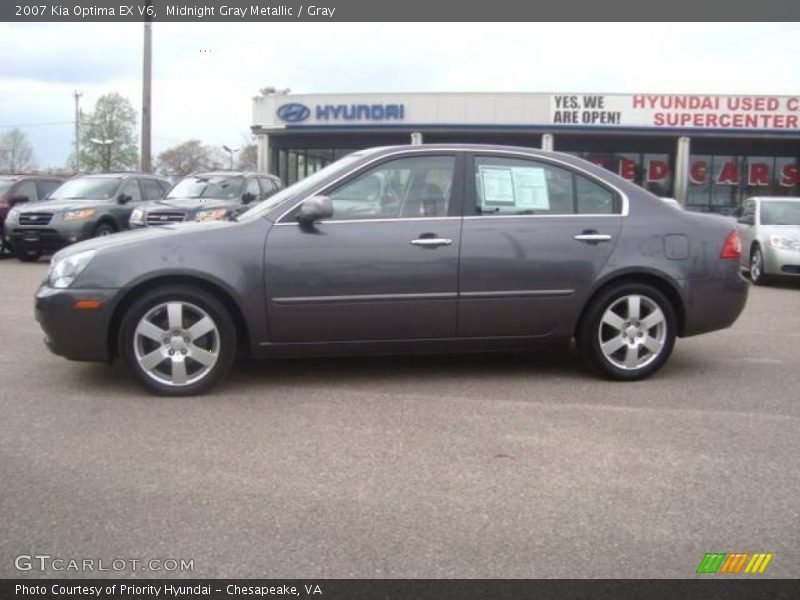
[
  {"x": 431, "y": 242},
  {"x": 593, "y": 237}
]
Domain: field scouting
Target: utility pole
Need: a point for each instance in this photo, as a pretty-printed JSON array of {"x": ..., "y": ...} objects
[
  {"x": 147, "y": 74},
  {"x": 77, "y": 131}
]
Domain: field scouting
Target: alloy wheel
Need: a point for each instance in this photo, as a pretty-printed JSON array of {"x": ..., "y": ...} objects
[
  {"x": 176, "y": 343},
  {"x": 632, "y": 332},
  {"x": 756, "y": 265}
]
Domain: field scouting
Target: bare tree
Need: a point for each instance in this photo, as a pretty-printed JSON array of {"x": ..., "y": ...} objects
[{"x": 16, "y": 153}]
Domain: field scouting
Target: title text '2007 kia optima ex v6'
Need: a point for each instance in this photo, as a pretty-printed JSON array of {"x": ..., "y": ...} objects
[{"x": 420, "y": 248}]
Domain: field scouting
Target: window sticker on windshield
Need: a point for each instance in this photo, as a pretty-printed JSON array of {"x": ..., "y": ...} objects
[
  {"x": 498, "y": 186},
  {"x": 518, "y": 188}
]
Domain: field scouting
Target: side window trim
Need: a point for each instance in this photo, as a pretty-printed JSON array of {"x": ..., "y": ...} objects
[
  {"x": 470, "y": 197},
  {"x": 456, "y": 195}
]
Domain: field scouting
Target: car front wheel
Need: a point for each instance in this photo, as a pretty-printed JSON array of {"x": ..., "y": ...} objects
[
  {"x": 757, "y": 266},
  {"x": 628, "y": 332},
  {"x": 178, "y": 340},
  {"x": 27, "y": 254}
]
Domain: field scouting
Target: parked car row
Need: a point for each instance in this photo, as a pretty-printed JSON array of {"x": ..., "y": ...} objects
[{"x": 43, "y": 215}]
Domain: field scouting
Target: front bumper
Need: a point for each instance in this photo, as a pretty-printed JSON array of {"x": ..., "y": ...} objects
[
  {"x": 49, "y": 239},
  {"x": 76, "y": 334},
  {"x": 781, "y": 262}
]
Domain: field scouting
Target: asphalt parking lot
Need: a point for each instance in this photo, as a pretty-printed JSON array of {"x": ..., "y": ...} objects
[{"x": 493, "y": 466}]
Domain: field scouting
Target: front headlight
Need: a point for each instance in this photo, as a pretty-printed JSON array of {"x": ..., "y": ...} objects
[
  {"x": 64, "y": 271},
  {"x": 78, "y": 215},
  {"x": 214, "y": 214},
  {"x": 12, "y": 215},
  {"x": 137, "y": 216},
  {"x": 784, "y": 243}
]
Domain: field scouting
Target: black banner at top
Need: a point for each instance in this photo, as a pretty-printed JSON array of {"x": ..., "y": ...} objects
[{"x": 395, "y": 10}]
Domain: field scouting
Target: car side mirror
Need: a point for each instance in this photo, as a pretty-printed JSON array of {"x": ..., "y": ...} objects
[
  {"x": 124, "y": 198},
  {"x": 248, "y": 197},
  {"x": 18, "y": 199},
  {"x": 315, "y": 208}
]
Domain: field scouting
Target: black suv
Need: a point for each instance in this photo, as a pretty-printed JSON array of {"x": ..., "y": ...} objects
[
  {"x": 83, "y": 207},
  {"x": 19, "y": 189},
  {"x": 207, "y": 197}
]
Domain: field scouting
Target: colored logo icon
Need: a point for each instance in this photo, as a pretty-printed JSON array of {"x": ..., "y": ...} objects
[{"x": 734, "y": 562}]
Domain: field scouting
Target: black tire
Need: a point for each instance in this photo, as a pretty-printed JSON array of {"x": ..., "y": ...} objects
[
  {"x": 757, "y": 269},
  {"x": 592, "y": 329},
  {"x": 103, "y": 229},
  {"x": 27, "y": 254},
  {"x": 191, "y": 298}
]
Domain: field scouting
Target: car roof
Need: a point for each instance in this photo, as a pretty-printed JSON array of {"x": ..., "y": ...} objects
[
  {"x": 790, "y": 198},
  {"x": 23, "y": 177},
  {"x": 120, "y": 175},
  {"x": 231, "y": 174}
]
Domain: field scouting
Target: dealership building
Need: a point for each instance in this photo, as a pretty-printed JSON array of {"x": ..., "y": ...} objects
[{"x": 707, "y": 151}]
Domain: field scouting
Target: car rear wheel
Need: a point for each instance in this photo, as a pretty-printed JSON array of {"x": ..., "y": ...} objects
[
  {"x": 27, "y": 254},
  {"x": 757, "y": 266},
  {"x": 178, "y": 340},
  {"x": 628, "y": 332}
]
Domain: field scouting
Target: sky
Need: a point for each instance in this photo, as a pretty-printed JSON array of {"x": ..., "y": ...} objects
[{"x": 205, "y": 74}]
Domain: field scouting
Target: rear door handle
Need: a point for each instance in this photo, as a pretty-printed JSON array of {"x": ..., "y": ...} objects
[
  {"x": 593, "y": 237},
  {"x": 432, "y": 242}
]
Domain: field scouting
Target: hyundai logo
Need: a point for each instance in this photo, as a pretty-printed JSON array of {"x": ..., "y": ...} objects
[{"x": 293, "y": 112}]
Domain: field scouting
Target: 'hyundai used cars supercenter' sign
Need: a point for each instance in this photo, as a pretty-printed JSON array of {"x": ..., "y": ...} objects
[{"x": 659, "y": 111}]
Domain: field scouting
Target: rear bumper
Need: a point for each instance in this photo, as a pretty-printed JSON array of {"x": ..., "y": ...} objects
[
  {"x": 76, "y": 334},
  {"x": 715, "y": 302}
]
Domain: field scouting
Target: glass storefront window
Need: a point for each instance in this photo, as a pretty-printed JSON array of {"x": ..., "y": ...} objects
[
  {"x": 719, "y": 183},
  {"x": 657, "y": 176},
  {"x": 699, "y": 192},
  {"x": 726, "y": 183}
]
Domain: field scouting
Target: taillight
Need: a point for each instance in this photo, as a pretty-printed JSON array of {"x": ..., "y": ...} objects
[{"x": 732, "y": 248}]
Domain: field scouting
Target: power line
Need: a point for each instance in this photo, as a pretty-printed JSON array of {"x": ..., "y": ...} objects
[{"x": 11, "y": 125}]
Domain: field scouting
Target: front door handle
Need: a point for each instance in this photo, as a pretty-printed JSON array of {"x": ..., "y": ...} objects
[
  {"x": 593, "y": 237},
  {"x": 431, "y": 242}
]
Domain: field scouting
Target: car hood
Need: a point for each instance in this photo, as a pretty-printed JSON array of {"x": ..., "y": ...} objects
[
  {"x": 60, "y": 205},
  {"x": 190, "y": 203},
  {"x": 792, "y": 231},
  {"x": 139, "y": 237}
]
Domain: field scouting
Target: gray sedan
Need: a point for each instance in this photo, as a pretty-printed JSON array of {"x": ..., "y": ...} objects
[
  {"x": 770, "y": 232},
  {"x": 404, "y": 249}
]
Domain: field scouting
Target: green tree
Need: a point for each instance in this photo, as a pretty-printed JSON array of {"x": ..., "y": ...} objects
[
  {"x": 185, "y": 158},
  {"x": 248, "y": 158},
  {"x": 16, "y": 153},
  {"x": 113, "y": 121}
]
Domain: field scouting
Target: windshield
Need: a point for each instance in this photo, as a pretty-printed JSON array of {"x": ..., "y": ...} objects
[
  {"x": 780, "y": 212},
  {"x": 300, "y": 187},
  {"x": 208, "y": 186},
  {"x": 87, "y": 188},
  {"x": 5, "y": 185}
]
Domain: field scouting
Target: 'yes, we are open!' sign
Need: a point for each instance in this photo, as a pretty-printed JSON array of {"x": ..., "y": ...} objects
[{"x": 676, "y": 111}]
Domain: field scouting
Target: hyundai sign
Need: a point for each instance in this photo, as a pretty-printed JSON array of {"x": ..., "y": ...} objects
[
  {"x": 293, "y": 112},
  {"x": 296, "y": 113}
]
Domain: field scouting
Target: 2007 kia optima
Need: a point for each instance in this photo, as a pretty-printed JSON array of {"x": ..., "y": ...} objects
[{"x": 413, "y": 248}]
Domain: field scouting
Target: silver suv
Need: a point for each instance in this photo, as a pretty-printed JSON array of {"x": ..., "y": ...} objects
[{"x": 769, "y": 228}]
